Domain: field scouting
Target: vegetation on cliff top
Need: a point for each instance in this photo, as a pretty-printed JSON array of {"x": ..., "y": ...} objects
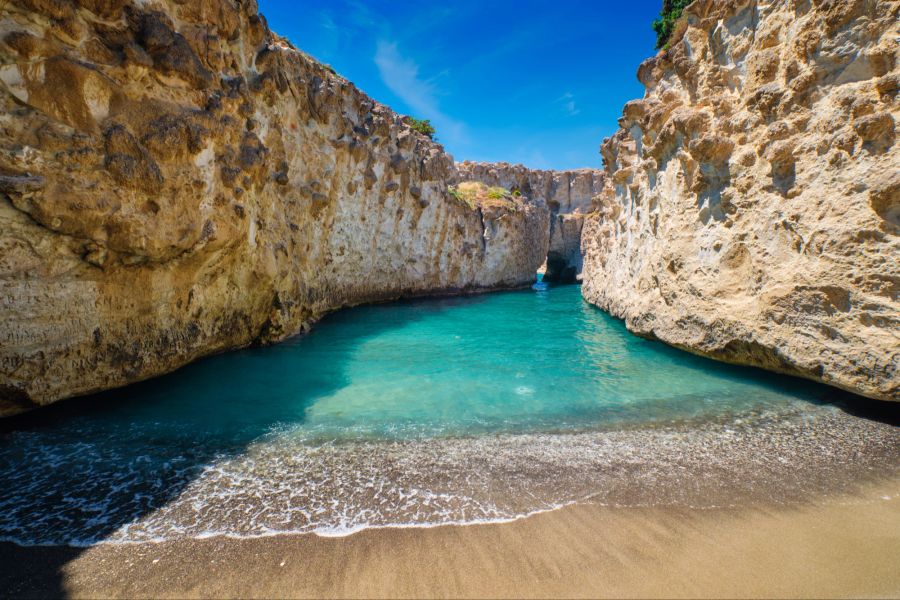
[
  {"x": 423, "y": 126},
  {"x": 665, "y": 24},
  {"x": 477, "y": 194}
]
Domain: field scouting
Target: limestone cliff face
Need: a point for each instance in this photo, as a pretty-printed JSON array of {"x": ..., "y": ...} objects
[
  {"x": 570, "y": 196},
  {"x": 175, "y": 180},
  {"x": 753, "y": 211}
]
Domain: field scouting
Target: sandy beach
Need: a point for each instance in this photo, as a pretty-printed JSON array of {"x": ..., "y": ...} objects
[{"x": 845, "y": 547}]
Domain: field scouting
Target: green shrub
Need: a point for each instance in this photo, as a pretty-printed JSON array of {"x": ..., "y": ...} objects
[
  {"x": 423, "y": 126},
  {"x": 665, "y": 24},
  {"x": 329, "y": 68}
]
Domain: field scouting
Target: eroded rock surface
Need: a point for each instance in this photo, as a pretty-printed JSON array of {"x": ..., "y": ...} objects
[
  {"x": 570, "y": 196},
  {"x": 175, "y": 181},
  {"x": 753, "y": 210}
]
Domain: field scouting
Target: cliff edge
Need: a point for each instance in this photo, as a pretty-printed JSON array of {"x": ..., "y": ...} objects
[
  {"x": 176, "y": 180},
  {"x": 753, "y": 207}
]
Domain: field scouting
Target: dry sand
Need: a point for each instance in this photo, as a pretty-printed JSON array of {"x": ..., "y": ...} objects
[{"x": 845, "y": 547}]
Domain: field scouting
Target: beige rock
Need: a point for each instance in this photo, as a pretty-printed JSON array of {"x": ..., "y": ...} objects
[
  {"x": 176, "y": 181},
  {"x": 569, "y": 194},
  {"x": 753, "y": 209}
]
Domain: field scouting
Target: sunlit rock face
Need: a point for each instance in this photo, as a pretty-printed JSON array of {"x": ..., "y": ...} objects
[
  {"x": 753, "y": 206},
  {"x": 570, "y": 196},
  {"x": 176, "y": 180}
]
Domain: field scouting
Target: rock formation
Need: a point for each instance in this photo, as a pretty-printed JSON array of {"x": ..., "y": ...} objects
[
  {"x": 570, "y": 196},
  {"x": 753, "y": 209},
  {"x": 175, "y": 181}
]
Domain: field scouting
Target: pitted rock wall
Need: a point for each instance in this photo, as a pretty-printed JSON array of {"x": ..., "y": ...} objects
[
  {"x": 176, "y": 180},
  {"x": 753, "y": 206}
]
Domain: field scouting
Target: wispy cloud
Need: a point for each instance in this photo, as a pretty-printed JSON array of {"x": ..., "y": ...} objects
[
  {"x": 326, "y": 21},
  {"x": 401, "y": 75},
  {"x": 567, "y": 101},
  {"x": 361, "y": 16}
]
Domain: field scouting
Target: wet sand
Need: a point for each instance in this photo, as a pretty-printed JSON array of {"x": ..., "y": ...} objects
[{"x": 848, "y": 546}]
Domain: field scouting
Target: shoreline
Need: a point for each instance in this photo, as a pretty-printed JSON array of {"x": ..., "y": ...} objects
[
  {"x": 842, "y": 546},
  {"x": 887, "y": 494},
  {"x": 324, "y": 534},
  {"x": 772, "y": 460}
]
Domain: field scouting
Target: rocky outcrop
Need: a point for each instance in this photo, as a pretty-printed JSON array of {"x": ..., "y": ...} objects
[
  {"x": 753, "y": 210},
  {"x": 570, "y": 196},
  {"x": 175, "y": 181}
]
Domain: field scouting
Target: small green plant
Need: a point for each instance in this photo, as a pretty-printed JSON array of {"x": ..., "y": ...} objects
[
  {"x": 517, "y": 193},
  {"x": 497, "y": 193},
  {"x": 329, "y": 68},
  {"x": 464, "y": 193},
  {"x": 668, "y": 17},
  {"x": 423, "y": 126}
]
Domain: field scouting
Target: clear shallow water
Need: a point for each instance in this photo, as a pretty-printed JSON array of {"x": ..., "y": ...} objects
[{"x": 422, "y": 413}]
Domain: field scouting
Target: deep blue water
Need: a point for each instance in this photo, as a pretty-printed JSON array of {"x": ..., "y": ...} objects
[{"x": 370, "y": 419}]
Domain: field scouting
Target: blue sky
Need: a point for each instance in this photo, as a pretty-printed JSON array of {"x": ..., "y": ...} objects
[{"x": 525, "y": 81}]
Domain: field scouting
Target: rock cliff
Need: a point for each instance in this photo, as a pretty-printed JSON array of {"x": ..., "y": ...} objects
[
  {"x": 570, "y": 196},
  {"x": 753, "y": 209},
  {"x": 176, "y": 180}
]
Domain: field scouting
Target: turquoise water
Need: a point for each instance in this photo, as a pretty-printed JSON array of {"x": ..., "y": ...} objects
[
  {"x": 381, "y": 415},
  {"x": 515, "y": 362}
]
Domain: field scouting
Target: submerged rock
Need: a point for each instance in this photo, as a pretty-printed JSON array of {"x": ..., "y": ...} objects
[
  {"x": 752, "y": 208},
  {"x": 176, "y": 180}
]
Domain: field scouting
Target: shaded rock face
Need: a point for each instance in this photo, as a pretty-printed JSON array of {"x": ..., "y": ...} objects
[
  {"x": 569, "y": 195},
  {"x": 175, "y": 181},
  {"x": 752, "y": 210},
  {"x": 564, "y": 259}
]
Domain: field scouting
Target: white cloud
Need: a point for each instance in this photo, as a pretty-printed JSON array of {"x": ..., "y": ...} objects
[
  {"x": 401, "y": 75},
  {"x": 567, "y": 101}
]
